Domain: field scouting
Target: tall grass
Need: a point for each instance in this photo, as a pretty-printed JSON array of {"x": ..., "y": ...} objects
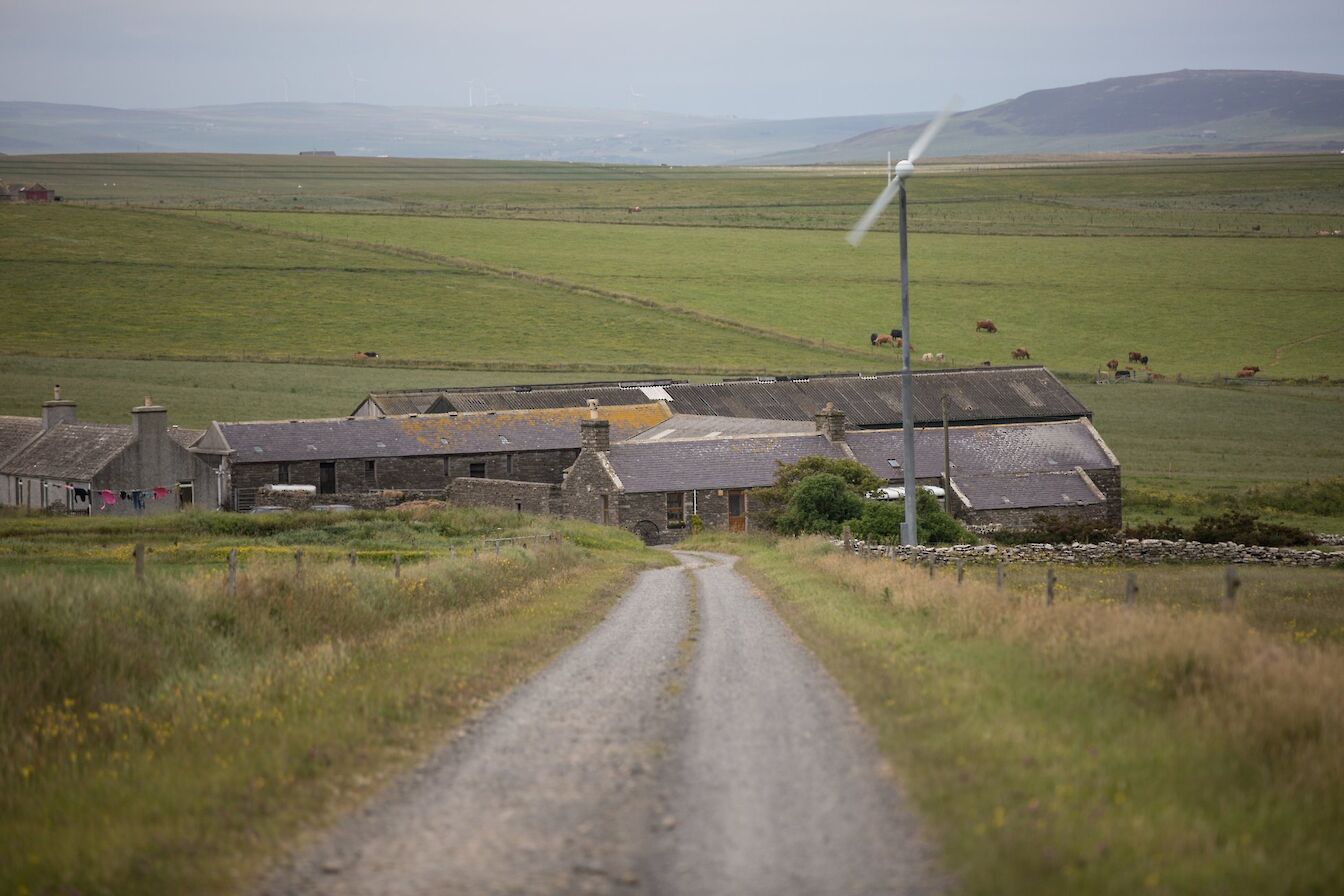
[
  {"x": 170, "y": 736},
  {"x": 1086, "y": 747}
]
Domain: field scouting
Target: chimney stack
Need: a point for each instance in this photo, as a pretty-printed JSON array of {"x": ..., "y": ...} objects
[
  {"x": 595, "y": 435},
  {"x": 57, "y": 411},
  {"x": 831, "y": 423}
]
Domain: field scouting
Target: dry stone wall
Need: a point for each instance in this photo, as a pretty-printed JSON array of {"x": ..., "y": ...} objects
[{"x": 1132, "y": 550}]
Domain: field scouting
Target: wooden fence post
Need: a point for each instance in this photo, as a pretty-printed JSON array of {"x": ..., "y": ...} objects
[
  {"x": 1231, "y": 582},
  {"x": 1001, "y": 573},
  {"x": 930, "y": 566},
  {"x": 233, "y": 572},
  {"x": 298, "y": 564},
  {"x": 353, "y": 560},
  {"x": 139, "y": 561},
  {"x": 396, "y": 566},
  {"x": 1049, "y": 586},
  {"x": 961, "y": 569},
  {"x": 1131, "y": 588}
]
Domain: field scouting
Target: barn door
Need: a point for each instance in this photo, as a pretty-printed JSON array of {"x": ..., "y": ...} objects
[{"x": 737, "y": 510}]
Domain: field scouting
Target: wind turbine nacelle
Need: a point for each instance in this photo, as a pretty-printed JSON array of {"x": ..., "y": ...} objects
[{"x": 905, "y": 168}]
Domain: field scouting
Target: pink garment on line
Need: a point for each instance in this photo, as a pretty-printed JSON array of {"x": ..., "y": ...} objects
[
  {"x": 109, "y": 497},
  {"x": 160, "y": 492}
]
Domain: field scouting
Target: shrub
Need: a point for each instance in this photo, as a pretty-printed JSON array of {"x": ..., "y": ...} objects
[
  {"x": 1049, "y": 528},
  {"x": 881, "y": 522},
  {"x": 767, "y": 504},
  {"x": 1232, "y": 525},
  {"x": 821, "y": 503}
]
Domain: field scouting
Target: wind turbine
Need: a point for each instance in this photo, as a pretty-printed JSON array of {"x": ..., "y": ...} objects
[
  {"x": 896, "y": 188},
  {"x": 355, "y": 81}
]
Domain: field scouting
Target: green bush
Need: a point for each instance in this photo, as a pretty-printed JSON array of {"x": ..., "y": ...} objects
[
  {"x": 768, "y": 504},
  {"x": 821, "y": 503},
  {"x": 1049, "y": 528},
  {"x": 1232, "y": 525},
  {"x": 881, "y": 522}
]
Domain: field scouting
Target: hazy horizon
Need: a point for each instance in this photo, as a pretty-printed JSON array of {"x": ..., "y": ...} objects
[{"x": 727, "y": 58}]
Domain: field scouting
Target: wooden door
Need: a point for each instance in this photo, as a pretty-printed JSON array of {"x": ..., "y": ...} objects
[{"x": 737, "y": 510}]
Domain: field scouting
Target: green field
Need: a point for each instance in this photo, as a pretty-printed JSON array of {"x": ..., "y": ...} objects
[{"x": 234, "y": 287}]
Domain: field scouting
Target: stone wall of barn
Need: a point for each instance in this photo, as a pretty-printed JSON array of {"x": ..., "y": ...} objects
[
  {"x": 585, "y": 484},
  {"x": 425, "y": 473},
  {"x": 1108, "y": 481},
  {"x": 1025, "y": 517},
  {"x": 526, "y": 497}
]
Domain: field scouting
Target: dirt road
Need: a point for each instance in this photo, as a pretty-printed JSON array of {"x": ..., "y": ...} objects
[{"x": 644, "y": 762}]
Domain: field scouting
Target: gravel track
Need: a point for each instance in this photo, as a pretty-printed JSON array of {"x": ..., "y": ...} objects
[{"x": 620, "y": 769}]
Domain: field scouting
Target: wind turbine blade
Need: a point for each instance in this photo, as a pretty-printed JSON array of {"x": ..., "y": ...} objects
[
  {"x": 932, "y": 130},
  {"x": 879, "y": 205}
]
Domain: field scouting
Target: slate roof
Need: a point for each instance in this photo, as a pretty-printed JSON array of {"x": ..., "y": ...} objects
[
  {"x": 15, "y": 432},
  {"x": 976, "y": 395},
  {"x": 76, "y": 451},
  {"x": 1071, "y": 488},
  {"x": 1007, "y": 448},
  {"x": 743, "y": 462},
  {"x": 432, "y": 434},
  {"x": 680, "y": 427}
]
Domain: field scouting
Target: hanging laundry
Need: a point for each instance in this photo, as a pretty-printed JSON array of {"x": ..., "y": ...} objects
[
  {"x": 137, "y": 499},
  {"x": 109, "y": 498},
  {"x": 81, "y": 494},
  {"x": 124, "y": 496},
  {"x": 160, "y": 493}
]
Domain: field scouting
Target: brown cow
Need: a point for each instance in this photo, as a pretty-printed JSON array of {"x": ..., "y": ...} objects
[
  {"x": 1021, "y": 353},
  {"x": 1112, "y": 364},
  {"x": 1248, "y": 371},
  {"x": 1134, "y": 356},
  {"x": 986, "y": 325},
  {"x": 884, "y": 339}
]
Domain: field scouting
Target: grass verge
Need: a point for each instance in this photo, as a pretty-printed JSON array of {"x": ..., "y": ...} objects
[
  {"x": 1087, "y": 747},
  {"x": 166, "y": 737}
]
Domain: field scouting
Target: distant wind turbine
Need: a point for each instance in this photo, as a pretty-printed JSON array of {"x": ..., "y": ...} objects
[
  {"x": 354, "y": 82},
  {"x": 635, "y": 98}
]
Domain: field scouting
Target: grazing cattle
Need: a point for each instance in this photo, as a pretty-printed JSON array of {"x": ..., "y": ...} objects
[
  {"x": 1134, "y": 356},
  {"x": 927, "y": 357},
  {"x": 1021, "y": 353},
  {"x": 1143, "y": 359},
  {"x": 986, "y": 364},
  {"x": 1112, "y": 364},
  {"x": 883, "y": 339},
  {"x": 1124, "y": 374},
  {"x": 633, "y": 209},
  {"x": 364, "y": 356},
  {"x": 1248, "y": 371},
  {"x": 940, "y": 357},
  {"x": 986, "y": 325}
]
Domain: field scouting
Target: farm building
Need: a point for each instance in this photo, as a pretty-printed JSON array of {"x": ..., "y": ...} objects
[
  {"x": 346, "y": 456},
  {"x": 707, "y": 466},
  {"x": 25, "y": 193},
  {"x": 118, "y": 469},
  {"x": 975, "y": 395}
]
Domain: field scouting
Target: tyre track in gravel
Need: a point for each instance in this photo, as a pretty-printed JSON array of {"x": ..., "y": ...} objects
[{"x": 621, "y": 768}]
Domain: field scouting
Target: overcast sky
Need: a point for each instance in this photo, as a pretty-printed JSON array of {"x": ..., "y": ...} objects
[{"x": 781, "y": 59}]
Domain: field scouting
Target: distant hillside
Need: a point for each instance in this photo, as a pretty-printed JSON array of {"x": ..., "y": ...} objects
[
  {"x": 496, "y": 132},
  {"x": 1185, "y": 111}
]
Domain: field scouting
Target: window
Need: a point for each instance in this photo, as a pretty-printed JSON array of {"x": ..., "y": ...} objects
[
  {"x": 282, "y": 473},
  {"x": 326, "y": 479},
  {"x": 606, "y": 509},
  {"x": 371, "y": 472},
  {"x": 448, "y": 466},
  {"x": 676, "y": 510},
  {"x": 508, "y": 464},
  {"x": 477, "y": 470}
]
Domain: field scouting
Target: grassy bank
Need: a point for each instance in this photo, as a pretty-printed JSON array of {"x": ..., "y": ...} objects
[
  {"x": 1089, "y": 747},
  {"x": 165, "y": 737}
]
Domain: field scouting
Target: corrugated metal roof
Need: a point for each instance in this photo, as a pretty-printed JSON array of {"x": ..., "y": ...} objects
[
  {"x": 1062, "y": 489},
  {"x": 15, "y": 432},
  {"x": 976, "y": 395},
  {"x": 433, "y": 434},
  {"x": 720, "y": 463},
  {"x": 1007, "y": 448},
  {"x": 71, "y": 451}
]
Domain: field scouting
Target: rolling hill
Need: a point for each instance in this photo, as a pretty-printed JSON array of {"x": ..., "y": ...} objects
[{"x": 1184, "y": 111}]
